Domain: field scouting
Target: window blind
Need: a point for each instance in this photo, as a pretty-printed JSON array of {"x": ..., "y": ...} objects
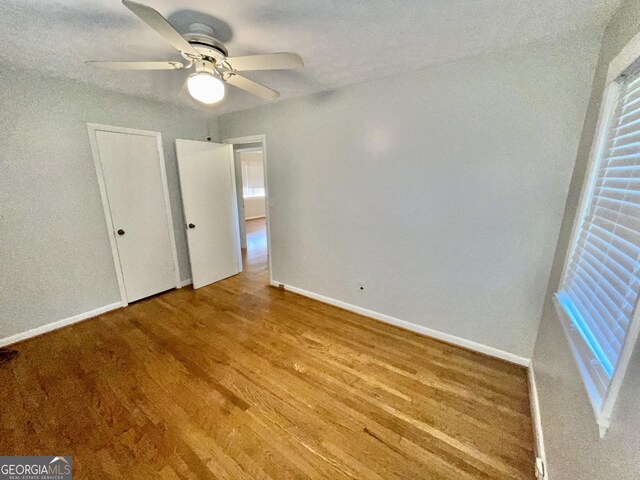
[
  {"x": 599, "y": 291},
  {"x": 252, "y": 179}
]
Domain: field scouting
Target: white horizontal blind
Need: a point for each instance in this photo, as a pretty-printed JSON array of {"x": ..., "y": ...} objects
[
  {"x": 600, "y": 288},
  {"x": 252, "y": 179}
]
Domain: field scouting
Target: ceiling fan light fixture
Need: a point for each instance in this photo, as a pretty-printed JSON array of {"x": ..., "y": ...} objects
[
  {"x": 205, "y": 87},
  {"x": 208, "y": 56}
]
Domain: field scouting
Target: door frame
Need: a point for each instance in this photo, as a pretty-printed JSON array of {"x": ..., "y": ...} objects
[
  {"x": 263, "y": 140},
  {"x": 92, "y": 128}
]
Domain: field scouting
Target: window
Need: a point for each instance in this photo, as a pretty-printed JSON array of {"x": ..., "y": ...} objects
[
  {"x": 252, "y": 178},
  {"x": 599, "y": 291}
]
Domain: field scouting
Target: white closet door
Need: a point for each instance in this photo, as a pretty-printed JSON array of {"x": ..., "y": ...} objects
[
  {"x": 207, "y": 182},
  {"x": 134, "y": 184}
]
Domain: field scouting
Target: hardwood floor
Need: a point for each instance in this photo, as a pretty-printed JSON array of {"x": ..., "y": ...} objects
[{"x": 240, "y": 380}]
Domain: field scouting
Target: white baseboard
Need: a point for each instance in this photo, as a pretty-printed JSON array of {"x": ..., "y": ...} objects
[
  {"x": 537, "y": 420},
  {"x": 34, "y": 332},
  {"x": 445, "y": 337}
]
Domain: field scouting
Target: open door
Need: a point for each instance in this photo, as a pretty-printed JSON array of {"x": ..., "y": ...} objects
[{"x": 207, "y": 181}]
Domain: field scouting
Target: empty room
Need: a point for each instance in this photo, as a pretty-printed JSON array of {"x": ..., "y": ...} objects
[{"x": 319, "y": 239}]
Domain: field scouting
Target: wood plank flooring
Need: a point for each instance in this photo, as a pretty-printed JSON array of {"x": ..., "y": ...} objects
[{"x": 239, "y": 380}]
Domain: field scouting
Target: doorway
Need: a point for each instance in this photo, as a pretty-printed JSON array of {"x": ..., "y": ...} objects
[{"x": 253, "y": 199}]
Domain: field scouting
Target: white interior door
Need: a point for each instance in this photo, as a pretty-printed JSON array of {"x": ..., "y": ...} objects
[
  {"x": 134, "y": 185},
  {"x": 209, "y": 200}
]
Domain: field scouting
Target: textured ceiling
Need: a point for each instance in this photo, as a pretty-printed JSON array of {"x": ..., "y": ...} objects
[{"x": 341, "y": 41}]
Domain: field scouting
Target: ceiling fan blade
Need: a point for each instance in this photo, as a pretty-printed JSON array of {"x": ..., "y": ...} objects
[
  {"x": 138, "y": 65},
  {"x": 252, "y": 87},
  {"x": 270, "y": 61},
  {"x": 161, "y": 25}
]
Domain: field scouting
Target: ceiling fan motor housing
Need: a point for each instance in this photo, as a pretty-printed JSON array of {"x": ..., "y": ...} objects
[
  {"x": 201, "y": 37},
  {"x": 205, "y": 65}
]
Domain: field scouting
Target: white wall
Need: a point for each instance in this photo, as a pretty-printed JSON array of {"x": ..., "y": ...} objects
[
  {"x": 55, "y": 258},
  {"x": 573, "y": 445},
  {"x": 254, "y": 207},
  {"x": 442, "y": 190}
]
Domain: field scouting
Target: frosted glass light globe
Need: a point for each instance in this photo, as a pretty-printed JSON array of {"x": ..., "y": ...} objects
[{"x": 205, "y": 87}]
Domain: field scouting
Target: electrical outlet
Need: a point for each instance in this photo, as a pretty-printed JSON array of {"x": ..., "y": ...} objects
[{"x": 361, "y": 286}]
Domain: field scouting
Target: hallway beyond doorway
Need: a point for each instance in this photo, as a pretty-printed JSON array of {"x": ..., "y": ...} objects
[{"x": 256, "y": 252}]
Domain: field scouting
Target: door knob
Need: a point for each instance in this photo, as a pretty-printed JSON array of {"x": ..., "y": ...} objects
[
  {"x": 191, "y": 225},
  {"x": 120, "y": 232}
]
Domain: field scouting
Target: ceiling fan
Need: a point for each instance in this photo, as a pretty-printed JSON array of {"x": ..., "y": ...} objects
[{"x": 209, "y": 58}]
